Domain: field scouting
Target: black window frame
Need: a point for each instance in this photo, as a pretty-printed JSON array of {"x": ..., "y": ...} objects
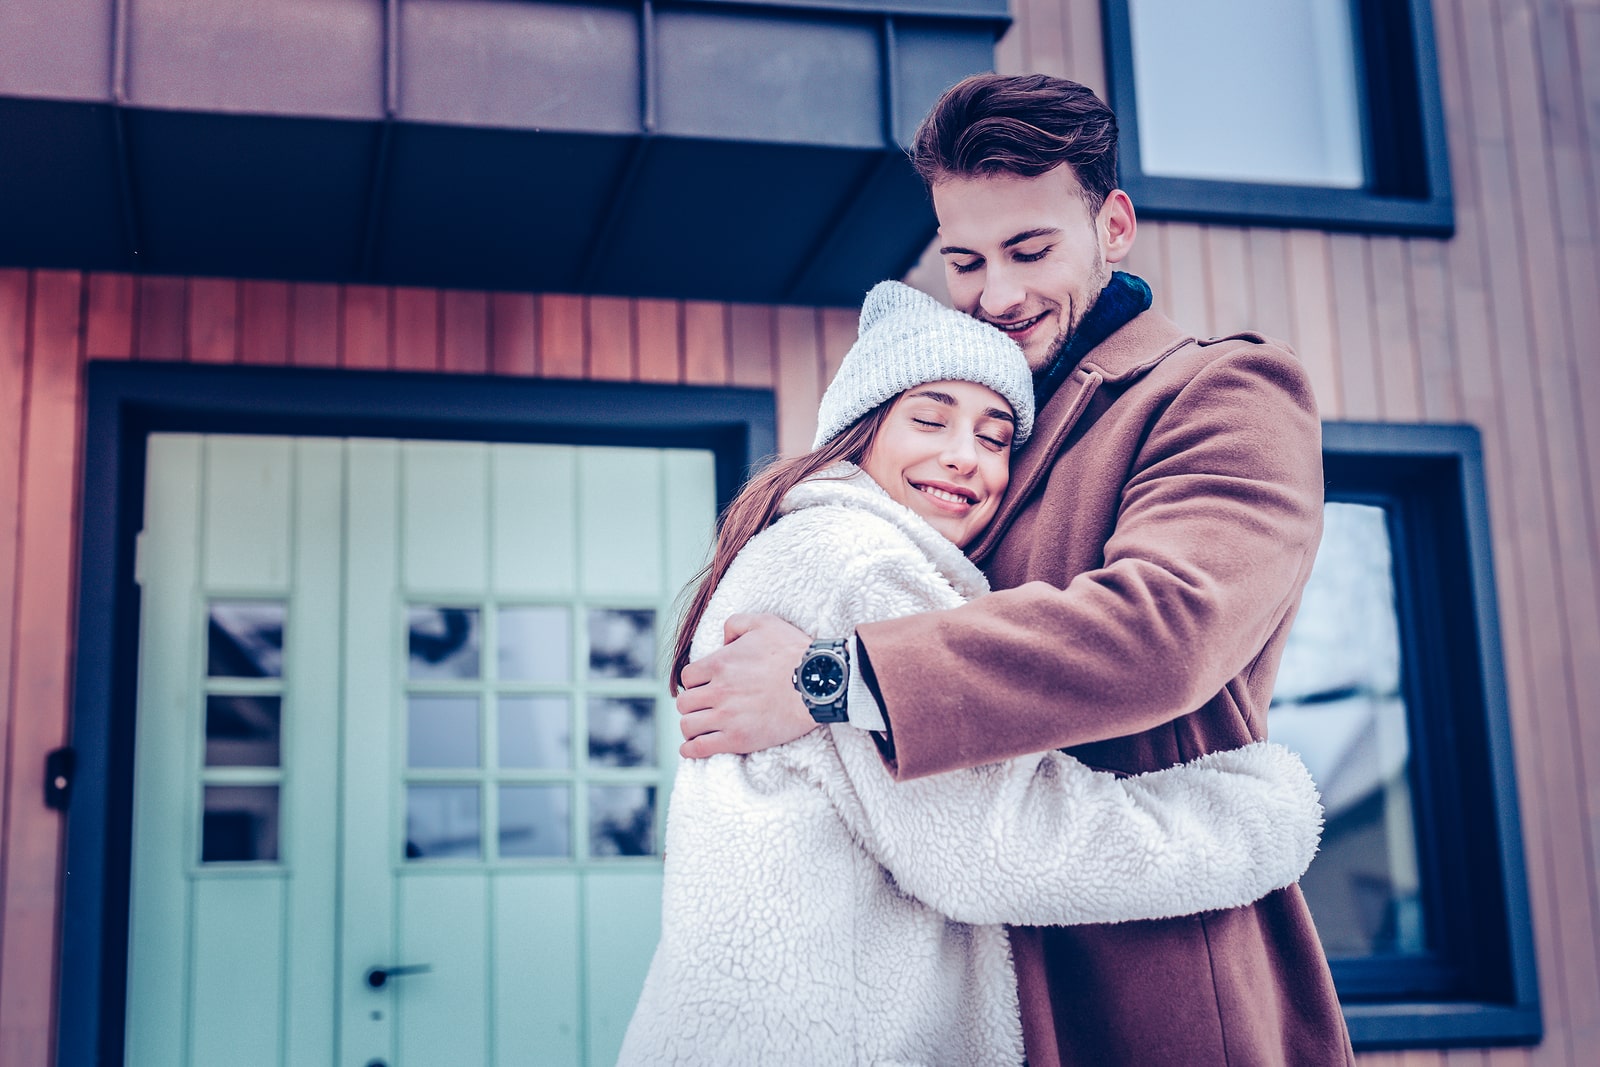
[
  {"x": 126, "y": 402},
  {"x": 1407, "y": 159},
  {"x": 1478, "y": 984}
]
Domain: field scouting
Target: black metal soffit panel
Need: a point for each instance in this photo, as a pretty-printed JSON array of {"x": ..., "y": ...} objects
[{"x": 713, "y": 149}]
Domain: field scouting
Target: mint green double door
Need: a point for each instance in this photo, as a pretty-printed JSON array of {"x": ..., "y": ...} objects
[{"x": 403, "y": 747}]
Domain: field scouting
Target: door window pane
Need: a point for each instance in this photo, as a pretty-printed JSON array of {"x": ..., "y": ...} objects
[
  {"x": 1248, "y": 90},
  {"x": 442, "y": 822},
  {"x": 535, "y": 820},
  {"x": 442, "y": 731},
  {"x": 240, "y": 824},
  {"x": 535, "y": 644},
  {"x": 622, "y": 820},
  {"x": 622, "y": 732},
  {"x": 622, "y": 643},
  {"x": 443, "y": 643},
  {"x": 535, "y": 732},
  {"x": 244, "y": 639},
  {"x": 242, "y": 731},
  {"x": 1339, "y": 704}
]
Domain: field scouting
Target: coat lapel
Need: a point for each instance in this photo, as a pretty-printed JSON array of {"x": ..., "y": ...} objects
[{"x": 1142, "y": 343}]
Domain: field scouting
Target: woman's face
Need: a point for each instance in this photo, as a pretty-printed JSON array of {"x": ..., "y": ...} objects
[{"x": 944, "y": 451}]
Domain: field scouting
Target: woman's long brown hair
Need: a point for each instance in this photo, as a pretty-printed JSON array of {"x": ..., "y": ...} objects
[{"x": 754, "y": 509}]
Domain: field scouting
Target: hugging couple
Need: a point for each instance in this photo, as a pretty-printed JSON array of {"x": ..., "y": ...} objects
[{"x": 1037, "y": 824}]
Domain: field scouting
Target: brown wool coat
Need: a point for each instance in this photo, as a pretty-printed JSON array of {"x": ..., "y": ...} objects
[{"x": 1150, "y": 556}]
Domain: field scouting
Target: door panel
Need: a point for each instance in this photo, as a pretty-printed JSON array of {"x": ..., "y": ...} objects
[
  {"x": 372, "y": 658},
  {"x": 170, "y": 664},
  {"x": 311, "y": 740},
  {"x": 538, "y": 1003},
  {"x": 400, "y": 704},
  {"x": 237, "y": 973}
]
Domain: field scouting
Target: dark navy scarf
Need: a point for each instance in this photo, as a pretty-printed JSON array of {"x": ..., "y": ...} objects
[{"x": 1125, "y": 296}]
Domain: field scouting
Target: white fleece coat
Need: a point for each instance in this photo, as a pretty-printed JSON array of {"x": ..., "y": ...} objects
[{"x": 816, "y": 913}]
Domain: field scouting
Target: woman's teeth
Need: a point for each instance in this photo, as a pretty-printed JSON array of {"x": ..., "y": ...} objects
[{"x": 940, "y": 494}]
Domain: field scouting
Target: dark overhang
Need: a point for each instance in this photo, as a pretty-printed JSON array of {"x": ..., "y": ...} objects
[{"x": 692, "y": 148}]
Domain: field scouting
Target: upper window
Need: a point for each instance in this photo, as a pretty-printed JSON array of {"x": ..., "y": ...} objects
[
  {"x": 1390, "y": 689},
  {"x": 1322, "y": 113}
]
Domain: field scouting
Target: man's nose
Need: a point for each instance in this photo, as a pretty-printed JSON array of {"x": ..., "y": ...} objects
[{"x": 1002, "y": 291}]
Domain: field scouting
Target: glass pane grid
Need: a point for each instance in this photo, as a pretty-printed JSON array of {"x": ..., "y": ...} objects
[
  {"x": 564, "y": 766},
  {"x": 241, "y": 723}
]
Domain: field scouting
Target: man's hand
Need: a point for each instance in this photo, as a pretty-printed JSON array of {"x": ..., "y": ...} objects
[{"x": 741, "y": 698}]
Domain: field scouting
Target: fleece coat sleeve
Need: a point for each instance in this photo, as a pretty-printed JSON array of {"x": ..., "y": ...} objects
[
  {"x": 1215, "y": 519},
  {"x": 1040, "y": 839},
  {"x": 1045, "y": 840}
]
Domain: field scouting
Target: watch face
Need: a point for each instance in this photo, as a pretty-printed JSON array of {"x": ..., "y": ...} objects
[{"x": 822, "y": 676}]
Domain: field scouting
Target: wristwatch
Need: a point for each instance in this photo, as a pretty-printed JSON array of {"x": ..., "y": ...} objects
[{"x": 823, "y": 679}]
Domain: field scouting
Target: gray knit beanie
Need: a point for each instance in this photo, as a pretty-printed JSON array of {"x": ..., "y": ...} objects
[{"x": 907, "y": 338}]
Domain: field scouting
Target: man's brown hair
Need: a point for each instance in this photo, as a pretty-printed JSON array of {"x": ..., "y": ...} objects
[{"x": 1023, "y": 124}]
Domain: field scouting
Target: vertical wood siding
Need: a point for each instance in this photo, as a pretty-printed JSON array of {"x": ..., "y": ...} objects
[{"x": 1498, "y": 327}]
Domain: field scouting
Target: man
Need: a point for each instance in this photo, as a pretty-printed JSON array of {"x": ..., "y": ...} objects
[{"x": 1149, "y": 559}]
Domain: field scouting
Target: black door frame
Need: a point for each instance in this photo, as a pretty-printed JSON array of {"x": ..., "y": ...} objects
[{"x": 126, "y": 402}]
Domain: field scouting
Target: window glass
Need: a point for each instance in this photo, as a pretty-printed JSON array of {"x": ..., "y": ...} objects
[
  {"x": 442, "y": 731},
  {"x": 1338, "y": 702},
  {"x": 535, "y": 820},
  {"x": 535, "y": 732},
  {"x": 239, "y": 824},
  {"x": 243, "y": 731},
  {"x": 244, "y": 639},
  {"x": 442, "y": 643},
  {"x": 621, "y": 820},
  {"x": 442, "y": 822},
  {"x": 535, "y": 644},
  {"x": 622, "y": 643},
  {"x": 1248, "y": 90},
  {"x": 622, "y": 732}
]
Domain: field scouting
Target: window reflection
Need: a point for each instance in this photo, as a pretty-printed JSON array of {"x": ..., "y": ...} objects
[
  {"x": 535, "y": 732},
  {"x": 242, "y": 731},
  {"x": 244, "y": 639},
  {"x": 622, "y": 820},
  {"x": 443, "y": 643},
  {"x": 442, "y": 822},
  {"x": 622, "y": 643},
  {"x": 535, "y": 644},
  {"x": 239, "y": 824},
  {"x": 535, "y": 820},
  {"x": 622, "y": 732},
  {"x": 1338, "y": 703},
  {"x": 442, "y": 731}
]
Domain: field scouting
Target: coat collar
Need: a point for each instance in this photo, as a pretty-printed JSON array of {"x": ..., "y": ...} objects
[
  {"x": 1141, "y": 343},
  {"x": 846, "y": 485}
]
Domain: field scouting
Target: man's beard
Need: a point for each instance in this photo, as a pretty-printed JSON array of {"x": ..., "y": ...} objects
[{"x": 1102, "y": 278}]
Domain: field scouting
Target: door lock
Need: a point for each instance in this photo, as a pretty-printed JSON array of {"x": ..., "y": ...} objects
[{"x": 378, "y": 977}]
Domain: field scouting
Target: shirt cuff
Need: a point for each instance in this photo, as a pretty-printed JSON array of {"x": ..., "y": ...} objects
[{"x": 863, "y": 708}]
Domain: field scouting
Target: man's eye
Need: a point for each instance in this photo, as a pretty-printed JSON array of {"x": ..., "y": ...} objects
[
  {"x": 1034, "y": 257},
  {"x": 966, "y": 268}
]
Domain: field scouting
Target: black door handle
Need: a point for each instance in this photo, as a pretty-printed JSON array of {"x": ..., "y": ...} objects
[{"x": 378, "y": 977}]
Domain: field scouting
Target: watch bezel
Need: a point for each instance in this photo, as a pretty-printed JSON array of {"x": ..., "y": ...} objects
[{"x": 844, "y": 676}]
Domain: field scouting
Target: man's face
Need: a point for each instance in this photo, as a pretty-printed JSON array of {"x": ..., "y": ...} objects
[{"x": 1026, "y": 255}]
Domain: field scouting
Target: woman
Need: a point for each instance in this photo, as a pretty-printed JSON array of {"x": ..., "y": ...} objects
[{"x": 814, "y": 912}]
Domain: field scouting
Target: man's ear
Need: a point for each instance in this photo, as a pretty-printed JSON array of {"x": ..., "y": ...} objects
[{"x": 1117, "y": 225}]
